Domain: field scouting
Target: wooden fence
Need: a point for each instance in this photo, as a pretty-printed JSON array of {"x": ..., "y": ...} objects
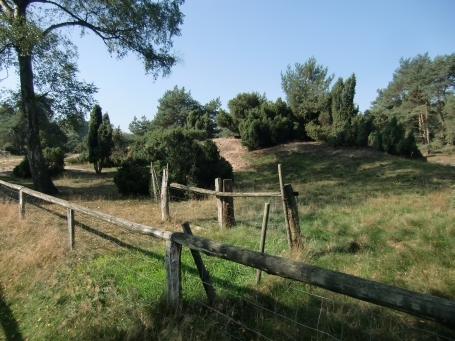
[
  {"x": 428, "y": 307},
  {"x": 225, "y": 204}
]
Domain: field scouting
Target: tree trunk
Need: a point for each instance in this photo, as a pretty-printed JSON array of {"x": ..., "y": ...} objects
[{"x": 41, "y": 179}]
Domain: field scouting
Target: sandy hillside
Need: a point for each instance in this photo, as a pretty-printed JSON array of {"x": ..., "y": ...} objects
[{"x": 232, "y": 150}]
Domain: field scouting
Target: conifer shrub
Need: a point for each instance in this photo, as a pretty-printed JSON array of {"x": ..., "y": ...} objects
[
  {"x": 191, "y": 162},
  {"x": 54, "y": 158},
  {"x": 22, "y": 170},
  {"x": 133, "y": 177},
  {"x": 394, "y": 140}
]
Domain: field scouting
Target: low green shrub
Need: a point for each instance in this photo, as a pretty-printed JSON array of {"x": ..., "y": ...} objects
[
  {"x": 22, "y": 170},
  {"x": 133, "y": 177}
]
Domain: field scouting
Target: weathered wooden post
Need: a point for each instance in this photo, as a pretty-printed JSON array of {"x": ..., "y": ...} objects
[
  {"x": 70, "y": 218},
  {"x": 265, "y": 220},
  {"x": 228, "y": 205},
  {"x": 292, "y": 214},
  {"x": 154, "y": 180},
  {"x": 21, "y": 205},
  {"x": 286, "y": 220},
  {"x": 173, "y": 274},
  {"x": 219, "y": 202},
  {"x": 165, "y": 197},
  {"x": 203, "y": 273}
]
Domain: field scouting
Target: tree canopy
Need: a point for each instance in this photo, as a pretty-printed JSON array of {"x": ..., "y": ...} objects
[
  {"x": 419, "y": 95},
  {"x": 307, "y": 88},
  {"x": 33, "y": 42}
]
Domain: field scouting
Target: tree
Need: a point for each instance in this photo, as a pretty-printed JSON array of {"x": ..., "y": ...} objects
[
  {"x": 417, "y": 95},
  {"x": 99, "y": 139},
  {"x": 32, "y": 40},
  {"x": 307, "y": 89},
  {"x": 174, "y": 108},
  {"x": 140, "y": 127},
  {"x": 343, "y": 107},
  {"x": 238, "y": 107}
]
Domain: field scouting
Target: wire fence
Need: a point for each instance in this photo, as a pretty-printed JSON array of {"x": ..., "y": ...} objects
[
  {"x": 248, "y": 212},
  {"x": 282, "y": 309},
  {"x": 127, "y": 265}
]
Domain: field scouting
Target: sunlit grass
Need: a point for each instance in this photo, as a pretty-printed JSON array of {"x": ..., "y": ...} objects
[{"x": 367, "y": 214}]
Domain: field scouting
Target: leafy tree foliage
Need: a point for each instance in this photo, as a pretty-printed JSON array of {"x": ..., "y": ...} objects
[
  {"x": 417, "y": 96},
  {"x": 32, "y": 40},
  {"x": 99, "y": 139},
  {"x": 12, "y": 130}
]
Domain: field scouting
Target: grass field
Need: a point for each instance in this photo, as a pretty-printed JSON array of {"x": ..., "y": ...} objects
[{"x": 361, "y": 212}]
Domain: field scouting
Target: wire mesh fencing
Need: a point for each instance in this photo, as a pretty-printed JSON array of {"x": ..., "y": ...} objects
[{"x": 281, "y": 309}]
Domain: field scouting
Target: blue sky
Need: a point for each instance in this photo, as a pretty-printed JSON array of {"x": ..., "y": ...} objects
[{"x": 233, "y": 46}]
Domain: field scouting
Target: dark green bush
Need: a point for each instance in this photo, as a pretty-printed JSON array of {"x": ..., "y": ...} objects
[
  {"x": 78, "y": 160},
  {"x": 55, "y": 160},
  {"x": 394, "y": 140},
  {"x": 22, "y": 170},
  {"x": 133, "y": 177},
  {"x": 191, "y": 162}
]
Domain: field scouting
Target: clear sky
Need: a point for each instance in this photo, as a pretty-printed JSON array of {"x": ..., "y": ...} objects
[{"x": 233, "y": 46}]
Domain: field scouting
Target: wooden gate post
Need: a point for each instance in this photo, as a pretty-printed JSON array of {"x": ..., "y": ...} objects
[
  {"x": 173, "y": 274},
  {"x": 70, "y": 218},
  {"x": 164, "y": 197},
  {"x": 292, "y": 214},
  {"x": 21, "y": 205},
  {"x": 228, "y": 204},
  {"x": 286, "y": 218},
  {"x": 219, "y": 202}
]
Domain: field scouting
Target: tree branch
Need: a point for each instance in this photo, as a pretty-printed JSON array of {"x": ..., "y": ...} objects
[{"x": 6, "y": 8}]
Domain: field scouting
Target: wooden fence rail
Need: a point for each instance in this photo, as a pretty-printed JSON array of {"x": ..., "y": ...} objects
[{"x": 429, "y": 307}]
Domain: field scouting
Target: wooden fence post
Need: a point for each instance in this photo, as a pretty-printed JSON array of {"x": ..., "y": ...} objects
[
  {"x": 219, "y": 202},
  {"x": 164, "y": 197},
  {"x": 265, "y": 220},
  {"x": 173, "y": 274},
  {"x": 228, "y": 205},
  {"x": 154, "y": 180},
  {"x": 203, "y": 273},
  {"x": 70, "y": 218},
  {"x": 292, "y": 214},
  {"x": 21, "y": 205},
  {"x": 283, "y": 198}
]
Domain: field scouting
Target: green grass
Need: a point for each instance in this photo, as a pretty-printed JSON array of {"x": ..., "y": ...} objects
[{"x": 361, "y": 212}]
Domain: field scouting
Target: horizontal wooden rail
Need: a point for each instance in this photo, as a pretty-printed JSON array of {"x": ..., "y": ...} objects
[
  {"x": 224, "y": 194},
  {"x": 129, "y": 225},
  {"x": 429, "y": 307}
]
